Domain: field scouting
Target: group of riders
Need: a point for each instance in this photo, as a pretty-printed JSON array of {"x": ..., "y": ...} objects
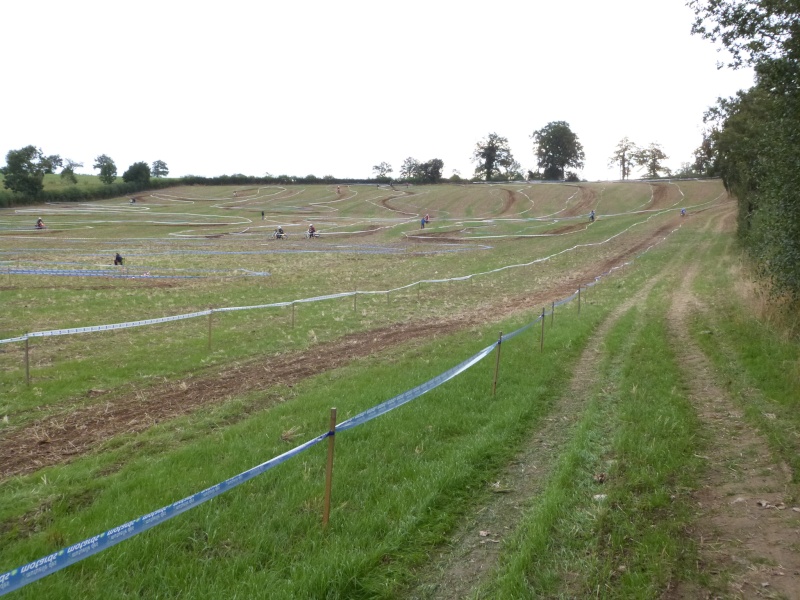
[{"x": 280, "y": 234}]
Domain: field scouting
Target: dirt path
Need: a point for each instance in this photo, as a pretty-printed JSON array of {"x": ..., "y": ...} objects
[
  {"x": 457, "y": 571},
  {"x": 747, "y": 536}
]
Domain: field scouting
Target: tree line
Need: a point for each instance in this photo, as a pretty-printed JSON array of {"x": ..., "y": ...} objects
[
  {"x": 25, "y": 170},
  {"x": 559, "y": 154},
  {"x": 752, "y": 140}
]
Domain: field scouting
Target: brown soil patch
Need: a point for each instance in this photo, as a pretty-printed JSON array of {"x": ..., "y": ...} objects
[
  {"x": 665, "y": 196},
  {"x": 508, "y": 202},
  {"x": 746, "y": 535},
  {"x": 586, "y": 200},
  {"x": 568, "y": 229}
]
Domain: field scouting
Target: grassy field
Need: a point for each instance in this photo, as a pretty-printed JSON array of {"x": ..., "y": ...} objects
[{"x": 141, "y": 417}]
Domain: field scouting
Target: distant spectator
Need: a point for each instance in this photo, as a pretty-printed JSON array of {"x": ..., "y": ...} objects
[{"x": 118, "y": 259}]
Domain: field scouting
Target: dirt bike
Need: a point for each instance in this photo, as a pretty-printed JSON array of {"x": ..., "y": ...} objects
[
  {"x": 309, "y": 235},
  {"x": 278, "y": 236}
]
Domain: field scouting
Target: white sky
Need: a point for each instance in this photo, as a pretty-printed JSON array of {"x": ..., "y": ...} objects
[{"x": 320, "y": 87}]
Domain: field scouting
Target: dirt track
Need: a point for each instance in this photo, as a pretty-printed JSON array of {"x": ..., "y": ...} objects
[{"x": 63, "y": 438}]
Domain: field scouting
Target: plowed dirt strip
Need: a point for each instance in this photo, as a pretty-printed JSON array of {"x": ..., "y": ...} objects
[
  {"x": 74, "y": 433},
  {"x": 743, "y": 529}
]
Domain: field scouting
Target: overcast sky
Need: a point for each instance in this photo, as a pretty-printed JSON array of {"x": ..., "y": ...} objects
[{"x": 317, "y": 87}]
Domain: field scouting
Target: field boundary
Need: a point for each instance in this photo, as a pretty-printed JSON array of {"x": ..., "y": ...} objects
[{"x": 37, "y": 569}]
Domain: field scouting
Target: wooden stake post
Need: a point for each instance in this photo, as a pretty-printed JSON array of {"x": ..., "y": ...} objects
[
  {"x": 210, "y": 312},
  {"x": 579, "y": 298},
  {"x": 27, "y": 363},
  {"x": 293, "y": 315},
  {"x": 497, "y": 364},
  {"x": 552, "y": 313},
  {"x": 541, "y": 345},
  {"x": 326, "y": 508}
]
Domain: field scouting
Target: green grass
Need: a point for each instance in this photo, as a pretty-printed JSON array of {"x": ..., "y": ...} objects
[
  {"x": 405, "y": 481},
  {"x": 411, "y": 471},
  {"x": 622, "y": 538}
]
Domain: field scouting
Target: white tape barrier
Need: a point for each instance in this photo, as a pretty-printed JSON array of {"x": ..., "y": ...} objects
[{"x": 95, "y": 328}]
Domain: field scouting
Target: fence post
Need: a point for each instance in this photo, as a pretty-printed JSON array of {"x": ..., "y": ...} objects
[
  {"x": 419, "y": 285},
  {"x": 497, "y": 364},
  {"x": 210, "y": 312},
  {"x": 27, "y": 363},
  {"x": 326, "y": 508},
  {"x": 552, "y": 313},
  {"x": 541, "y": 345},
  {"x": 579, "y": 298},
  {"x": 355, "y": 295},
  {"x": 292, "y": 315}
]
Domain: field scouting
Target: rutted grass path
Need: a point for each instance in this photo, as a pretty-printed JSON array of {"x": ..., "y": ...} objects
[
  {"x": 727, "y": 532},
  {"x": 469, "y": 559},
  {"x": 746, "y": 535}
]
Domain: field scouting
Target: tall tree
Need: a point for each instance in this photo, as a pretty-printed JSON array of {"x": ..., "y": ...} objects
[
  {"x": 409, "y": 167},
  {"x": 429, "y": 171},
  {"x": 68, "y": 172},
  {"x": 556, "y": 148},
  {"x": 623, "y": 156},
  {"x": 159, "y": 169},
  {"x": 758, "y": 140},
  {"x": 753, "y": 31},
  {"x": 651, "y": 159},
  {"x": 108, "y": 169},
  {"x": 492, "y": 157},
  {"x": 382, "y": 170},
  {"x": 138, "y": 172},
  {"x": 25, "y": 169},
  {"x": 705, "y": 155}
]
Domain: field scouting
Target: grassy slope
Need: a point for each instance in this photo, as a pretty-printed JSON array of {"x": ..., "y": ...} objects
[{"x": 402, "y": 481}]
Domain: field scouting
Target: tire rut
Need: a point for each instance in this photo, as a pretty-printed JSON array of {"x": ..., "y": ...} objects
[
  {"x": 746, "y": 540},
  {"x": 460, "y": 568}
]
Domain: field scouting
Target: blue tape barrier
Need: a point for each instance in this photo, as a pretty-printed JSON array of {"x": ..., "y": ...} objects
[
  {"x": 94, "y": 273},
  {"x": 17, "y": 578},
  {"x": 400, "y": 399}
]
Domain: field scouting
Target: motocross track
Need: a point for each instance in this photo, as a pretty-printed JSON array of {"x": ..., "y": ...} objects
[{"x": 72, "y": 434}]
